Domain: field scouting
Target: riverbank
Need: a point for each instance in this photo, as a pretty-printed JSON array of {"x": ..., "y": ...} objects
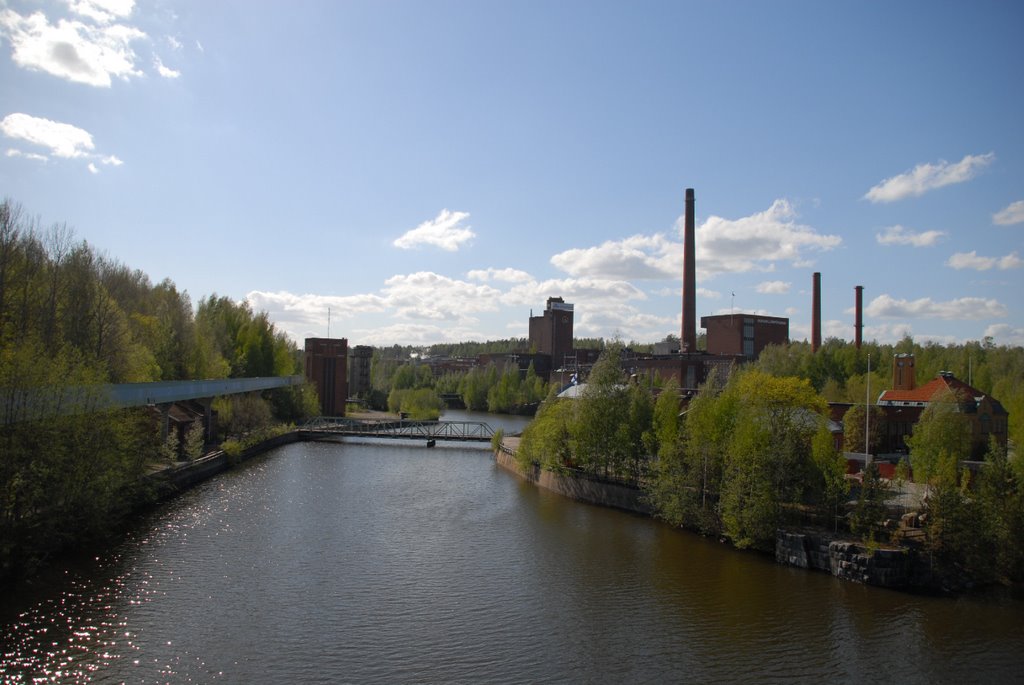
[{"x": 893, "y": 567}]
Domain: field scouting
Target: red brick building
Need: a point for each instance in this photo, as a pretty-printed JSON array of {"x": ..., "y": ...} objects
[
  {"x": 906, "y": 401},
  {"x": 551, "y": 332},
  {"x": 326, "y": 361},
  {"x": 744, "y": 334}
]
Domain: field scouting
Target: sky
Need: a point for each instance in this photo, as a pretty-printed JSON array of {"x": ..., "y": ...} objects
[{"x": 429, "y": 171}]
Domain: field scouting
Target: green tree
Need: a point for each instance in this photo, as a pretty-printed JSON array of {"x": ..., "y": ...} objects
[
  {"x": 546, "y": 440},
  {"x": 1000, "y": 496},
  {"x": 769, "y": 460},
  {"x": 665, "y": 419},
  {"x": 194, "y": 440},
  {"x": 687, "y": 485},
  {"x": 505, "y": 396},
  {"x": 941, "y": 439},
  {"x": 868, "y": 516},
  {"x": 831, "y": 474},
  {"x": 421, "y": 404},
  {"x": 853, "y": 429},
  {"x": 599, "y": 444}
]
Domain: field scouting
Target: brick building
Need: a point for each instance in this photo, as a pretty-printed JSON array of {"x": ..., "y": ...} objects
[
  {"x": 359, "y": 370},
  {"x": 551, "y": 332},
  {"x": 744, "y": 334},
  {"x": 904, "y": 404},
  {"x": 326, "y": 362}
]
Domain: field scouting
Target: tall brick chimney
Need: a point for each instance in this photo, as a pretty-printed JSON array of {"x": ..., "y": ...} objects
[
  {"x": 858, "y": 320},
  {"x": 688, "y": 339},
  {"x": 816, "y": 313}
]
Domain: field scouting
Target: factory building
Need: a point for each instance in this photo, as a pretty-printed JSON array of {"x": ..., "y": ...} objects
[
  {"x": 326, "y": 361},
  {"x": 359, "y": 370},
  {"x": 551, "y": 332},
  {"x": 744, "y": 334}
]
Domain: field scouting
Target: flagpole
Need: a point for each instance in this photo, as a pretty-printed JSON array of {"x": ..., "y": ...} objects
[{"x": 867, "y": 415}]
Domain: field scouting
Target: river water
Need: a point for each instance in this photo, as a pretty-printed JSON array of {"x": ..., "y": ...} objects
[{"x": 391, "y": 562}]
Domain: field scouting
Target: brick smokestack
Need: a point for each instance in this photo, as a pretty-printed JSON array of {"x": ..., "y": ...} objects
[
  {"x": 858, "y": 321},
  {"x": 816, "y": 313},
  {"x": 688, "y": 339}
]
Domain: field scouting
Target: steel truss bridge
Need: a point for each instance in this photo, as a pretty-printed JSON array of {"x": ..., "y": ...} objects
[{"x": 474, "y": 431}]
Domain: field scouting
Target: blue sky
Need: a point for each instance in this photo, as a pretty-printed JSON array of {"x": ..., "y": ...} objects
[{"x": 433, "y": 171}]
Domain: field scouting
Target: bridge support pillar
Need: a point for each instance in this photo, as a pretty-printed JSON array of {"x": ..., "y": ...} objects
[
  {"x": 165, "y": 414},
  {"x": 208, "y": 425}
]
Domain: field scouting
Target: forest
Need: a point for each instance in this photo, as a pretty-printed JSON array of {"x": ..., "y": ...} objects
[
  {"x": 73, "y": 318},
  {"x": 401, "y": 385},
  {"x": 752, "y": 453}
]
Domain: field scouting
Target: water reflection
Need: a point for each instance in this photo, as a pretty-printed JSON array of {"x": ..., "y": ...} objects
[{"x": 393, "y": 562}]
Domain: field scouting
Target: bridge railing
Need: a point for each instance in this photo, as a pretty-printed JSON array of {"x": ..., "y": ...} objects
[
  {"x": 26, "y": 404},
  {"x": 401, "y": 428}
]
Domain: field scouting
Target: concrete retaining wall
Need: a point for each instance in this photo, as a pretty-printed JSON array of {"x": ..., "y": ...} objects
[
  {"x": 183, "y": 476},
  {"x": 604, "y": 493}
]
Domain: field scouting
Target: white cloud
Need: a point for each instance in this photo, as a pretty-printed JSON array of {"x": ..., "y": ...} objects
[
  {"x": 925, "y": 177},
  {"x": 898, "y": 235},
  {"x": 27, "y": 155},
  {"x": 450, "y": 305},
  {"x": 774, "y": 287},
  {"x": 631, "y": 323},
  {"x": 723, "y": 245},
  {"x": 757, "y": 241},
  {"x": 886, "y": 306},
  {"x": 971, "y": 260},
  {"x": 415, "y": 296},
  {"x": 174, "y": 43},
  {"x": 503, "y": 275},
  {"x": 102, "y": 11},
  {"x": 63, "y": 140},
  {"x": 1012, "y": 214},
  {"x": 596, "y": 292},
  {"x": 704, "y": 292},
  {"x": 164, "y": 71},
  {"x": 409, "y": 333},
  {"x": 637, "y": 257},
  {"x": 82, "y": 53},
  {"x": 305, "y": 315},
  {"x": 444, "y": 231},
  {"x": 1005, "y": 334},
  {"x": 426, "y": 295}
]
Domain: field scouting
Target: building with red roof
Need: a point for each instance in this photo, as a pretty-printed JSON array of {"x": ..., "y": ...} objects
[{"x": 906, "y": 401}]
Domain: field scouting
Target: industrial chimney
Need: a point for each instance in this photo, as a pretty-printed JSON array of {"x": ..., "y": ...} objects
[
  {"x": 816, "y": 313},
  {"x": 858, "y": 321},
  {"x": 688, "y": 339}
]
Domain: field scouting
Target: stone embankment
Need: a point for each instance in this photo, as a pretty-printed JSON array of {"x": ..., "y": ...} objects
[
  {"x": 890, "y": 567},
  {"x": 884, "y": 567}
]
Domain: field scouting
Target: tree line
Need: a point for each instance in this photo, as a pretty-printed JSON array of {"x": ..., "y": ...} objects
[
  {"x": 400, "y": 384},
  {"x": 753, "y": 452},
  {"x": 71, "y": 317}
]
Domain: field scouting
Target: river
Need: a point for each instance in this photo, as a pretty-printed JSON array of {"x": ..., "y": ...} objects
[{"x": 391, "y": 562}]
